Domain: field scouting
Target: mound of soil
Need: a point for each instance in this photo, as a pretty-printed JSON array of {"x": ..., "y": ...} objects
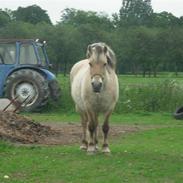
[{"x": 17, "y": 128}]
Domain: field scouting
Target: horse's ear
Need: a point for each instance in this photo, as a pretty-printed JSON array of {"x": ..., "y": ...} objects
[
  {"x": 89, "y": 51},
  {"x": 109, "y": 62},
  {"x": 105, "y": 49}
]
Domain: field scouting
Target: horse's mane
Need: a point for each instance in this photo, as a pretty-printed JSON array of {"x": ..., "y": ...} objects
[{"x": 103, "y": 47}]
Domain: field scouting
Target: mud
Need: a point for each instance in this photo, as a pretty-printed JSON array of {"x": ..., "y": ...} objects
[
  {"x": 23, "y": 130},
  {"x": 17, "y": 128}
]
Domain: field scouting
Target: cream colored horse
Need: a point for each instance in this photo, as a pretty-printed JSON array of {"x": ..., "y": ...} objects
[{"x": 95, "y": 90}]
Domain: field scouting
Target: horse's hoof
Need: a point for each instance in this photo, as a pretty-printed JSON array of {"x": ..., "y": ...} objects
[
  {"x": 83, "y": 147},
  {"x": 96, "y": 148},
  {"x": 105, "y": 149},
  {"x": 91, "y": 150}
]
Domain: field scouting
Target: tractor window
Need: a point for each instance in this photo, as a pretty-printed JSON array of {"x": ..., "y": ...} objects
[
  {"x": 27, "y": 54},
  {"x": 7, "y": 53},
  {"x": 41, "y": 55}
]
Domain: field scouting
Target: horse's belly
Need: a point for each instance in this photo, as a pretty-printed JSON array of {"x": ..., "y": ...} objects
[{"x": 76, "y": 91}]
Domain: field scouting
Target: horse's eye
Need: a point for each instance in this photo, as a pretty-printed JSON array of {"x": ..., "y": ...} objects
[
  {"x": 90, "y": 64},
  {"x": 105, "y": 64}
]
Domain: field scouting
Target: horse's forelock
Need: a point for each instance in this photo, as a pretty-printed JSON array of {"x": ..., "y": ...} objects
[{"x": 100, "y": 48}]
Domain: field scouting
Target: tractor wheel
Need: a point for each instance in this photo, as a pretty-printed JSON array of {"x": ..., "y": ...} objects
[
  {"x": 29, "y": 86},
  {"x": 178, "y": 114},
  {"x": 55, "y": 90}
]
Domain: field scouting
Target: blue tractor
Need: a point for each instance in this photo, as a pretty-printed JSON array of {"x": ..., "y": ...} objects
[{"x": 24, "y": 73}]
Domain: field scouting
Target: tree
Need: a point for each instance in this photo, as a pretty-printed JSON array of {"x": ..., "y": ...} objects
[
  {"x": 175, "y": 47},
  {"x": 164, "y": 19},
  {"x": 18, "y": 30},
  {"x": 78, "y": 18},
  {"x": 181, "y": 20},
  {"x": 66, "y": 45},
  {"x": 135, "y": 12},
  {"x": 76, "y": 30},
  {"x": 4, "y": 18},
  {"x": 32, "y": 14}
]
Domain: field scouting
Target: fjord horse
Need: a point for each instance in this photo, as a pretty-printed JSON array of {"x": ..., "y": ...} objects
[{"x": 95, "y": 90}]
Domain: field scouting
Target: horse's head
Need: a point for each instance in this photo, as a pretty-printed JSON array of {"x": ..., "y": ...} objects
[{"x": 100, "y": 63}]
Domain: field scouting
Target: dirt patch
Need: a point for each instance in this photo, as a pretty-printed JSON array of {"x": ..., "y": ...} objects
[{"x": 19, "y": 129}]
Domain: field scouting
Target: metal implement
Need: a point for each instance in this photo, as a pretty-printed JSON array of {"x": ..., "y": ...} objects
[{"x": 12, "y": 105}]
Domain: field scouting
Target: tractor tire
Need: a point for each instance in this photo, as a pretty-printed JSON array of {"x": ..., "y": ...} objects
[
  {"x": 27, "y": 84},
  {"x": 178, "y": 114},
  {"x": 55, "y": 91}
]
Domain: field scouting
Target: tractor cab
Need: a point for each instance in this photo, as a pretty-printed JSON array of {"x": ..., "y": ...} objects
[{"x": 23, "y": 52}]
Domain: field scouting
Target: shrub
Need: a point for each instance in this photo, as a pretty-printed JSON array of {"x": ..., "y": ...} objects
[{"x": 163, "y": 96}]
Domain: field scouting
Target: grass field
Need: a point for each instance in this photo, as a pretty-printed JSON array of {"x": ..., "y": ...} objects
[
  {"x": 126, "y": 118},
  {"x": 154, "y": 155},
  {"x": 150, "y": 156},
  {"x": 161, "y": 94}
]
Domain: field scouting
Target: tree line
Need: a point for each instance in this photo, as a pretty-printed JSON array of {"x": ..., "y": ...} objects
[{"x": 145, "y": 42}]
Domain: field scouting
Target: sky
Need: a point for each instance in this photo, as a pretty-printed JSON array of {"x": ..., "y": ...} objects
[{"x": 54, "y": 7}]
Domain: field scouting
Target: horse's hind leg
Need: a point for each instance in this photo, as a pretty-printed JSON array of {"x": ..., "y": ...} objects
[
  {"x": 84, "y": 121},
  {"x": 105, "y": 128}
]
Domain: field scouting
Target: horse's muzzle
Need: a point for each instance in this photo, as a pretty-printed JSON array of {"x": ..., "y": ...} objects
[
  {"x": 97, "y": 86},
  {"x": 97, "y": 82}
]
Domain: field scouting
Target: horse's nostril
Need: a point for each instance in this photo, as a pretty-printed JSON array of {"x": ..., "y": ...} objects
[
  {"x": 93, "y": 85},
  {"x": 96, "y": 87}
]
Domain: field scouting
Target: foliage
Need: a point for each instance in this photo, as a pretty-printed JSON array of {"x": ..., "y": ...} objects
[
  {"x": 78, "y": 18},
  {"x": 135, "y": 12},
  {"x": 144, "y": 42},
  {"x": 32, "y": 14},
  {"x": 163, "y": 96},
  {"x": 164, "y": 19},
  {"x": 4, "y": 18}
]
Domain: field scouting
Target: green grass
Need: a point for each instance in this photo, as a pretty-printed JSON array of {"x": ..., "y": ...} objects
[
  {"x": 150, "y": 156},
  {"x": 144, "y": 118},
  {"x": 133, "y": 79},
  {"x": 146, "y": 156},
  {"x": 163, "y": 93},
  {"x": 139, "y": 80}
]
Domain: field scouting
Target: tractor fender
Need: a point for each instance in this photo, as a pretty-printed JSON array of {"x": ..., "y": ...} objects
[{"x": 49, "y": 76}]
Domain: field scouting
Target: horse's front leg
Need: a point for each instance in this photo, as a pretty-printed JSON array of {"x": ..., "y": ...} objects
[
  {"x": 92, "y": 127},
  {"x": 84, "y": 122},
  {"x": 96, "y": 137},
  {"x": 105, "y": 128}
]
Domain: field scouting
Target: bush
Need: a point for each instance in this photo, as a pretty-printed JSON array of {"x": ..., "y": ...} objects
[{"x": 163, "y": 96}]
